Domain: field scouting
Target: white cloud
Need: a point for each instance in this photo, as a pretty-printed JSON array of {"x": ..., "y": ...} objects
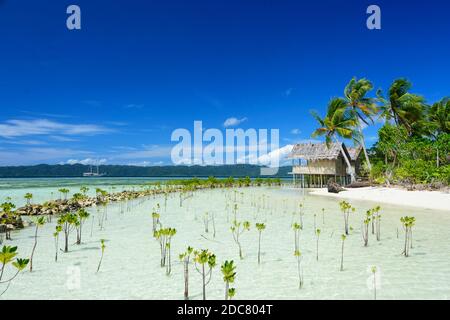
[
  {"x": 19, "y": 128},
  {"x": 87, "y": 161},
  {"x": 296, "y": 131},
  {"x": 277, "y": 156},
  {"x": 232, "y": 122}
]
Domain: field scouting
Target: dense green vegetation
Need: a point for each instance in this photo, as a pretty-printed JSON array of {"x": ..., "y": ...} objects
[
  {"x": 76, "y": 170},
  {"x": 413, "y": 144}
]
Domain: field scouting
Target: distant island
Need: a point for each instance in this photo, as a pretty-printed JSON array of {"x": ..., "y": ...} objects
[{"x": 77, "y": 170}]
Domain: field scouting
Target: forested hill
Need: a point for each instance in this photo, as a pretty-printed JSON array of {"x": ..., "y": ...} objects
[{"x": 77, "y": 170}]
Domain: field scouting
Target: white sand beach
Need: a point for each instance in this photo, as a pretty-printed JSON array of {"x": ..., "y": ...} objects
[{"x": 435, "y": 200}]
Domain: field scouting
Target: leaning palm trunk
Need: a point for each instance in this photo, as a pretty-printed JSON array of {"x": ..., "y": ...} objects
[
  {"x": 347, "y": 161},
  {"x": 363, "y": 145}
]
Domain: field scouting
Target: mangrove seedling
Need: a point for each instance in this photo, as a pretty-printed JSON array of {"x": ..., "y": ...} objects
[
  {"x": 164, "y": 237},
  {"x": 301, "y": 214},
  {"x": 84, "y": 190},
  {"x": 343, "y": 237},
  {"x": 260, "y": 227},
  {"x": 185, "y": 258},
  {"x": 237, "y": 229},
  {"x": 63, "y": 193},
  {"x": 296, "y": 227},
  {"x": 28, "y": 196},
  {"x": 39, "y": 222},
  {"x": 346, "y": 208},
  {"x": 298, "y": 256},
  {"x": 170, "y": 233},
  {"x": 229, "y": 272},
  {"x": 82, "y": 217},
  {"x": 102, "y": 247},
  {"x": 317, "y": 243},
  {"x": 231, "y": 293},
  {"x": 323, "y": 215},
  {"x": 58, "y": 229},
  {"x": 7, "y": 255},
  {"x": 67, "y": 221},
  {"x": 408, "y": 223},
  {"x": 155, "y": 217},
  {"x": 204, "y": 259},
  {"x": 365, "y": 228}
]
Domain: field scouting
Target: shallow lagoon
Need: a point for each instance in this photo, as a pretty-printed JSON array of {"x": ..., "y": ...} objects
[{"x": 131, "y": 270}]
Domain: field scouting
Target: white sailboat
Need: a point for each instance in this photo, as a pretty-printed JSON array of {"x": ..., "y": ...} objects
[{"x": 91, "y": 173}]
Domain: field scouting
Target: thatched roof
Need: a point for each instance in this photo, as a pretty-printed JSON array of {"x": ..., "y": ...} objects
[
  {"x": 316, "y": 151},
  {"x": 354, "y": 152}
]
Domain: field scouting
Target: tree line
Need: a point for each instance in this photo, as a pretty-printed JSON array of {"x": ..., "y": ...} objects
[{"x": 413, "y": 143}]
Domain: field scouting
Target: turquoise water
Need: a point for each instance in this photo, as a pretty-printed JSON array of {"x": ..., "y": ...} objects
[
  {"x": 130, "y": 269},
  {"x": 44, "y": 189}
]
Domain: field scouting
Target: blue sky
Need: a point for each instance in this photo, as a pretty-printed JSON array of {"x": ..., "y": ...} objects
[{"x": 137, "y": 70}]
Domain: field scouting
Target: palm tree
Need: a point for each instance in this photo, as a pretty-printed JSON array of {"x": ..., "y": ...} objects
[
  {"x": 438, "y": 122},
  {"x": 439, "y": 117},
  {"x": 361, "y": 107},
  {"x": 337, "y": 123},
  {"x": 404, "y": 108}
]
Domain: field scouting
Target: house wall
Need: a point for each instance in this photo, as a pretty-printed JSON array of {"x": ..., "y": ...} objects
[
  {"x": 319, "y": 167},
  {"x": 341, "y": 166}
]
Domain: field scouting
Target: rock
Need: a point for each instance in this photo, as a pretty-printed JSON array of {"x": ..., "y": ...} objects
[
  {"x": 334, "y": 187},
  {"x": 358, "y": 184}
]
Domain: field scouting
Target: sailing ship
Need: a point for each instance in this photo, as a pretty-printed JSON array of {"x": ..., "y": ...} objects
[{"x": 91, "y": 172}]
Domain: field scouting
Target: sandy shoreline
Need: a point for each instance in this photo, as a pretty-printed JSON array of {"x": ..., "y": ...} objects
[{"x": 435, "y": 200}]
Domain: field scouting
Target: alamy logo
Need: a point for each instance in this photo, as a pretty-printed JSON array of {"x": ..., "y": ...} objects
[
  {"x": 374, "y": 20},
  {"x": 73, "y": 21},
  {"x": 251, "y": 146}
]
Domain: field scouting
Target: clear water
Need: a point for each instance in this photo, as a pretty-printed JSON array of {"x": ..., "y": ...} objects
[{"x": 130, "y": 269}]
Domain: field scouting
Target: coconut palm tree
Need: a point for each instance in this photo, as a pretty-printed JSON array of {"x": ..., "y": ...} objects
[
  {"x": 337, "y": 123},
  {"x": 361, "y": 107},
  {"x": 439, "y": 117},
  {"x": 402, "y": 107}
]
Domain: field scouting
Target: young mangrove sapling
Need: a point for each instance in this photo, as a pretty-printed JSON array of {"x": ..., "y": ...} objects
[
  {"x": 229, "y": 272},
  {"x": 185, "y": 258},
  {"x": 58, "y": 229},
  {"x": 83, "y": 215},
  {"x": 298, "y": 256},
  {"x": 343, "y": 237},
  {"x": 237, "y": 229},
  {"x": 204, "y": 259},
  {"x": 102, "y": 247},
  {"x": 408, "y": 223},
  {"x": 39, "y": 222},
  {"x": 346, "y": 208},
  {"x": 317, "y": 243},
  {"x": 260, "y": 227},
  {"x": 7, "y": 255},
  {"x": 67, "y": 222},
  {"x": 365, "y": 228}
]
